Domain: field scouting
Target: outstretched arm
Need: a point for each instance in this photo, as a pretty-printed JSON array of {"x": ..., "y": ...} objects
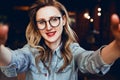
[
  {"x": 112, "y": 51},
  {"x": 5, "y": 55}
]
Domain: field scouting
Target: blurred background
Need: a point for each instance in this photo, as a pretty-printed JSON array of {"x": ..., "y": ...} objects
[{"x": 89, "y": 18}]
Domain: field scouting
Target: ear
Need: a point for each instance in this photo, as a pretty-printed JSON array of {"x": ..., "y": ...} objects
[{"x": 64, "y": 20}]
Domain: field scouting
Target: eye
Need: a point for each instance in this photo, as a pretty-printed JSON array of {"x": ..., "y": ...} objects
[
  {"x": 54, "y": 19},
  {"x": 41, "y": 22}
]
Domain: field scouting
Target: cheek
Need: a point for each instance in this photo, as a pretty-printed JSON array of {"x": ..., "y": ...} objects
[
  {"x": 60, "y": 30},
  {"x": 41, "y": 32}
]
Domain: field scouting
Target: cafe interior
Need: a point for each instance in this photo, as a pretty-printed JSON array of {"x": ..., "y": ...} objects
[{"x": 90, "y": 19}]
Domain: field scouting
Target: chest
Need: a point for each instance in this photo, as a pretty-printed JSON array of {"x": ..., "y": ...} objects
[{"x": 42, "y": 72}]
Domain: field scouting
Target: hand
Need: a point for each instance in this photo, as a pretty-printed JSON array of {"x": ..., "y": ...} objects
[
  {"x": 3, "y": 38},
  {"x": 115, "y": 27},
  {"x": 3, "y": 33}
]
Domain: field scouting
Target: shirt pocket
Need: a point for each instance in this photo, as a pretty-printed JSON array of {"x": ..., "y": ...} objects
[
  {"x": 38, "y": 70},
  {"x": 34, "y": 69},
  {"x": 68, "y": 68},
  {"x": 65, "y": 74}
]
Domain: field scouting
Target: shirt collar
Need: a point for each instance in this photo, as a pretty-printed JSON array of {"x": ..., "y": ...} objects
[{"x": 57, "y": 51}]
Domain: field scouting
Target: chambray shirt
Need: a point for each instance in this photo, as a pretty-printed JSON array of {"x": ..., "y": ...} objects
[{"x": 23, "y": 60}]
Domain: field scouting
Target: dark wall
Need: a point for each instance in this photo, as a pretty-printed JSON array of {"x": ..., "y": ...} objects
[{"x": 84, "y": 29}]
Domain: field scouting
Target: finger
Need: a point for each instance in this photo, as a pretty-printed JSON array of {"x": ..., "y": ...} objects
[
  {"x": 116, "y": 33},
  {"x": 3, "y": 33},
  {"x": 114, "y": 19},
  {"x": 119, "y": 27},
  {"x": 114, "y": 22},
  {"x": 3, "y": 30}
]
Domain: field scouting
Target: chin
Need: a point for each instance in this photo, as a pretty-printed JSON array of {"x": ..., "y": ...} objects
[{"x": 51, "y": 41}]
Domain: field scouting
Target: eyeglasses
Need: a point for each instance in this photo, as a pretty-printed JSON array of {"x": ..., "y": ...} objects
[{"x": 53, "y": 21}]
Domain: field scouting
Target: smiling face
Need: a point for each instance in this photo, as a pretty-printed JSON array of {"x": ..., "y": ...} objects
[{"x": 51, "y": 18}]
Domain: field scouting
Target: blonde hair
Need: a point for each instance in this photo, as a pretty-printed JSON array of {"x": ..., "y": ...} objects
[{"x": 35, "y": 40}]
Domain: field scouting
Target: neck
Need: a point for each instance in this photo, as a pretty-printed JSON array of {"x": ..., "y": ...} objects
[{"x": 53, "y": 45}]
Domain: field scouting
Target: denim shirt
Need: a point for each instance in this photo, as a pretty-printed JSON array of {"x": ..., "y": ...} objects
[{"x": 23, "y": 60}]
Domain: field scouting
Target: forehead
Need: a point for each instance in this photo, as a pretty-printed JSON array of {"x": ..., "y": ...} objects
[{"x": 47, "y": 12}]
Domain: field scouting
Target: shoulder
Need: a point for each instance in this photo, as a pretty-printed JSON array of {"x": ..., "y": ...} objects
[
  {"x": 27, "y": 47},
  {"x": 26, "y": 50},
  {"x": 30, "y": 49},
  {"x": 76, "y": 48},
  {"x": 72, "y": 45}
]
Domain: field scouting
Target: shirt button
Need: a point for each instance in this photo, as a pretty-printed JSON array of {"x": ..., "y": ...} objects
[{"x": 45, "y": 74}]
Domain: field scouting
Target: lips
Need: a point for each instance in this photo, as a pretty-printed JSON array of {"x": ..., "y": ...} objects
[{"x": 50, "y": 34}]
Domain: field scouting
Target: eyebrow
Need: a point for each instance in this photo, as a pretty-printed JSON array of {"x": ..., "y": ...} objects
[{"x": 49, "y": 17}]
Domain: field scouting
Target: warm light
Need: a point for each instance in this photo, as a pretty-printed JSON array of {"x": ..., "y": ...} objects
[
  {"x": 23, "y": 8},
  {"x": 91, "y": 20},
  {"x": 99, "y": 9},
  {"x": 99, "y": 14},
  {"x": 86, "y": 15}
]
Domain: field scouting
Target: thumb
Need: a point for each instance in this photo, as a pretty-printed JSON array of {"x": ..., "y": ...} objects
[
  {"x": 3, "y": 30},
  {"x": 115, "y": 22},
  {"x": 3, "y": 33}
]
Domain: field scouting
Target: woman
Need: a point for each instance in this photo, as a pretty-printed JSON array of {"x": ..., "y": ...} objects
[{"x": 52, "y": 52}]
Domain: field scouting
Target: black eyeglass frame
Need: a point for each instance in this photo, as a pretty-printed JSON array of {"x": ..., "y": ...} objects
[{"x": 50, "y": 22}]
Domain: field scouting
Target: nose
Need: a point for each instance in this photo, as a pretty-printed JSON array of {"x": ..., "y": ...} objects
[{"x": 48, "y": 26}]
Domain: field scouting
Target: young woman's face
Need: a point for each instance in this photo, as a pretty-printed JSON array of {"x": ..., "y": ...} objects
[{"x": 50, "y": 23}]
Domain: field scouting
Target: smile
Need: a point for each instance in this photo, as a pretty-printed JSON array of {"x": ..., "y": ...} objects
[{"x": 50, "y": 34}]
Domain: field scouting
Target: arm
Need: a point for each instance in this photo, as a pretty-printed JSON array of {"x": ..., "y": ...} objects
[
  {"x": 100, "y": 60},
  {"x": 4, "y": 60},
  {"x": 15, "y": 61},
  {"x": 5, "y": 56},
  {"x": 89, "y": 61},
  {"x": 112, "y": 52},
  {"x": 12, "y": 62}
]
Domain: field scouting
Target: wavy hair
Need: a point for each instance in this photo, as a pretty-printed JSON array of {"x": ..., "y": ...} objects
[{"x": 35, "y": 39}]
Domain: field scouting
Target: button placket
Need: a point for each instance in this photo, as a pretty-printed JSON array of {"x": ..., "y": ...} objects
[
  {"x": 45, "y": 74},
  {"x": 54, "y": 62}
]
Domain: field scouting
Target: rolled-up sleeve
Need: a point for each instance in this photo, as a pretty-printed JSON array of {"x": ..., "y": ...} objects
[
  {"x": 20, "y": 62},
  {"x": 89, "y": 61},
  {"x": 9, "y": 71}
]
